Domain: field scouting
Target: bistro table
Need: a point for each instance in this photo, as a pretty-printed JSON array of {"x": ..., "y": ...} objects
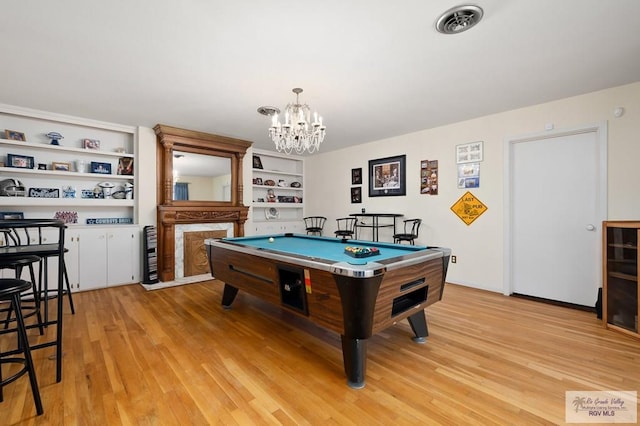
[
  {"x": 39, "y": 229},
  {"x": 375, "y": 222}
]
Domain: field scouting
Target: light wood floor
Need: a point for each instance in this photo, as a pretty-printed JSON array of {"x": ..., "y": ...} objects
[{"x": 174, "y": 357}]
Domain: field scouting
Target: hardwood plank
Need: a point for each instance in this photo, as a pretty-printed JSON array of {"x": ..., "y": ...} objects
[{"x": 174, "y": 356}]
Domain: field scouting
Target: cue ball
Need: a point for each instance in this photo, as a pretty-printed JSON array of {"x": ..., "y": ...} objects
[{"x": 271, "y": 239}]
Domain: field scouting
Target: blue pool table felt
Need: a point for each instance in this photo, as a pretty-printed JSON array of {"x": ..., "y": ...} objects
[{"x": 325, "y": 247}]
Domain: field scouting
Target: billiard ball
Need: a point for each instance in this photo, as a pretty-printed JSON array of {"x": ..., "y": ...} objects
[{"x": 271, "y": 239}]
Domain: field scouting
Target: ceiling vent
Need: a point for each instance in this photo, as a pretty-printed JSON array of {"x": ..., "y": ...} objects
[
  {"x": 268, "y": 110},
  {"x": 459, "y": 19}
]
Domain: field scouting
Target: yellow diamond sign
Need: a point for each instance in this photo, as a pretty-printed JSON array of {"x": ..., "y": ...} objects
[{"x": 468, "y": 208}]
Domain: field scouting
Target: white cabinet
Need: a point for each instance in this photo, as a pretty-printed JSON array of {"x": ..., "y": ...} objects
[
  {"x": 278, "y": 193},
  {"x": 103, "y": 256},
  {"x": 65, "y": 177}
]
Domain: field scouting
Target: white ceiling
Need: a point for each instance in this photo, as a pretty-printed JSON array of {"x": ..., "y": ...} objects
[{"x": 372, "y": 68}]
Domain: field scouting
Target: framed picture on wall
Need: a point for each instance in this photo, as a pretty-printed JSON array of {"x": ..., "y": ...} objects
[
  {"x": 356, "y": 176},
  {"x": 356, "y": 195},
  {"x": 387, "y": 176}
]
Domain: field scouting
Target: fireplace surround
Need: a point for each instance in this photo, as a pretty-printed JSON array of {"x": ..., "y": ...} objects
[{"x": 172, "y": 213}]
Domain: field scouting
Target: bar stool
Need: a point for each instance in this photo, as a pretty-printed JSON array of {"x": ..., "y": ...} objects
[
  {"x": 410, "y": 232},
  {"x": 10, "y": 290},
  {"x": 314, "y": 224},
  {"x": 346, "y": 227},
  {"x": 32, "y": 298}
]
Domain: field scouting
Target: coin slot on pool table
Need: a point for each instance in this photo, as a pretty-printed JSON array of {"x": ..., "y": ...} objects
[
  {"x": 407, "y": 301},
  {"x": 292, "y": 289}
]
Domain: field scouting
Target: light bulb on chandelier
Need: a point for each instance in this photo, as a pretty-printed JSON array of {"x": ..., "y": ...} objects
[{"x": 298, "y": 133}]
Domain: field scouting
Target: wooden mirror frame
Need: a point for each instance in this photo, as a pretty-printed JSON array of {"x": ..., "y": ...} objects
[{"x": 172, "y": 212}]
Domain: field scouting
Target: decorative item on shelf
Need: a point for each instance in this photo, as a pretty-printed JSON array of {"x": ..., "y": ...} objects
[
  {"x": 257, "y": 162},
  {"x": 257, "y": 181},
  {"x": 100, "y": 168},
  {"x": 55, "y": 137},
  {"x": 269, "y": 182},
  {"x": 109, "y": 221},
  {"x": 42, "y": 166},
  {"x": 271, "y": 196},
  {"x": 128, "y": 191},
  {"x": 11, "y": 215},
  {"x": 125, "y": 166},
  {"x": 20, "y": 161},
  {"x": 67, "y": 217},
  {"x": 61, "y": 167},
  {"x": 118, "y": 193},
  {"x": 12, "y": 188},
  {"x": 271, "y": 213},
  {"x": 260, "y": 200},
  {"x": 90, "y": 143},
  {"x": 297, "y": 200},
  {"x": 107, "y": 189},
  {"x": 120, "y": 150},
  {"x": 296, "y": 185},
  {"x": 82, "y": 166},
  {"x": 286, "y": 199},
  {"x": 44, "y": 192},
  {"x": 87, "y": 193},
  {"x": 68, "y": 192},
  {"x": 282, "y": 183},
  {"x": 14, "y": 136},
  {"x": 298, "y": 133}
]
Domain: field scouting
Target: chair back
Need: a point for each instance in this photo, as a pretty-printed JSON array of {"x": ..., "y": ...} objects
[
  {"x": 412, "y": 226},
  {"x": 346, "y": 226},
  {"x": 314, "y": 224}
]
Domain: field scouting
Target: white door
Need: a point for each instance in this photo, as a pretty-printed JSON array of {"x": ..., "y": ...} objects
[{"x": 556, "y": 204}]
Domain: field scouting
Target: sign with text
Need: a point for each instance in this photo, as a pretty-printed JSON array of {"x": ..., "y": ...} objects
[
  {"x": 601, "y": 407},
  {"x": 468, "y": 208}
]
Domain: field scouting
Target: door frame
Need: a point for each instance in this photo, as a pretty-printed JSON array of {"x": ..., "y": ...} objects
[{"x": 600, "y": 129}]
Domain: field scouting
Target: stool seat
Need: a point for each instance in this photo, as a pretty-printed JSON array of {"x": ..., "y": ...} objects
[
  {"x": 10, "y": 289},
  {"x": 11, "y": 286}
]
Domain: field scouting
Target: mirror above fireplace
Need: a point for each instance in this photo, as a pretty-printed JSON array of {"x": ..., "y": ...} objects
[{"x": 213, "y": 202}]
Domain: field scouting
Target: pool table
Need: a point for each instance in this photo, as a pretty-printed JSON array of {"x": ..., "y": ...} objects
[{"x": 316, "y": 278}]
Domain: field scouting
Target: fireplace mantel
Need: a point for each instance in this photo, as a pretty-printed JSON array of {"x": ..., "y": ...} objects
[{"x": 172, "y": 213}]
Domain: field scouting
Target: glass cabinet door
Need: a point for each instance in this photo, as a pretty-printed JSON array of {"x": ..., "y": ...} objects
[{"x": 622, "y": 277}]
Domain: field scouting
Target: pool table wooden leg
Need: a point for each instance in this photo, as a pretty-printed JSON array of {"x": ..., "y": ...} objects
[
  {"x": 418, "y": 323},
  {"x": 228, "y": 296},
  {"x": 354, "y": 355}
]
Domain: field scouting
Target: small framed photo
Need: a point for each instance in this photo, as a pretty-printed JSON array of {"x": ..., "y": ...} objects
[
  {"x": 356, "y": 195},
  {"x": 20, "y": 161},
  {"x": 14, "y": 136},
  {"x": 11, "y": 215},
  {"x": 100, "y": 168},
  {"x": 125, "y": 166},
  {"x": 356, "y": 176},
  {"x": 257, "y": 162},
  {"x": 42, "y": 166},
  {"x": 61, "y": 167},
  {"x": 90, "y": 144}
]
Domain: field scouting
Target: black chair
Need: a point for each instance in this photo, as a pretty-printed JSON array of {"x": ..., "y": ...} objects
[
  {"x": 410, "y": 231},
  {"x": 346, "y": 227},
  {"x": 314, "y": 224},
  {"x": 10, "y": 290}
]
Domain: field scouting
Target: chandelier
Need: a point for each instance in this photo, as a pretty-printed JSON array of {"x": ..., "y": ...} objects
[{"x": 298, "y": 133}]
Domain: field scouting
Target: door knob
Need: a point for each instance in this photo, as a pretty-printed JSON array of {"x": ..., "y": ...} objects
[{"x": 590, "y": 227}]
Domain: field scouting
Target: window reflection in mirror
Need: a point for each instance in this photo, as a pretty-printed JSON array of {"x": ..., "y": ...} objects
[{"x": 198, "y": 177}]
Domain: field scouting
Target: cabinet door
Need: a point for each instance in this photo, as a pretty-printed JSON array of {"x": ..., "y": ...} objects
[
  {"x": 120, "y": 257},
  {"x": 72, "y": 263},
  {"x": 92, "y": 259}
]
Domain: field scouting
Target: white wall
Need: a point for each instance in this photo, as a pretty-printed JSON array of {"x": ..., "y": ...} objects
[{"x": 479, "y": 246}]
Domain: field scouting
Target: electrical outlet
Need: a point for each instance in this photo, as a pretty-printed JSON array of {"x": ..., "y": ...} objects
[{"x": 454, "y": 259}]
